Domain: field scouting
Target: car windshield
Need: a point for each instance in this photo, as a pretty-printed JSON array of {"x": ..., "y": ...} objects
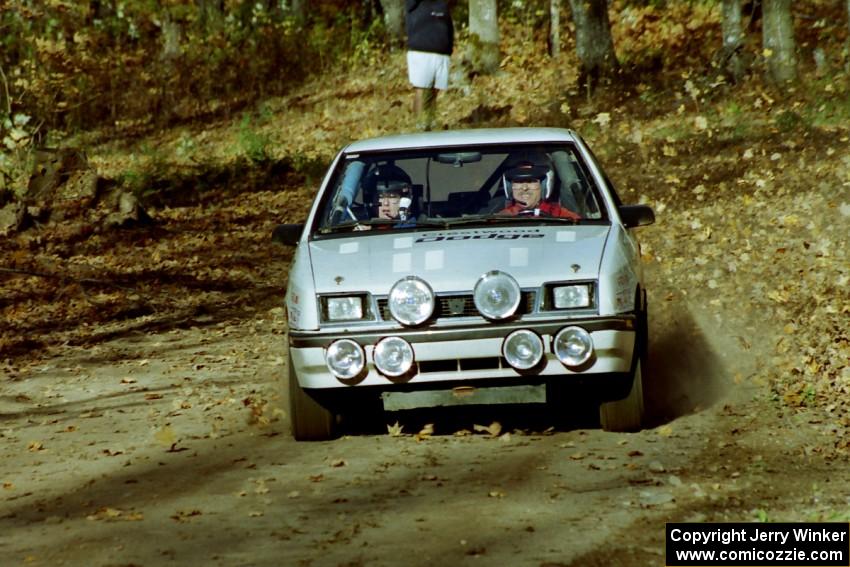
[{"x": 444, "y": 187}]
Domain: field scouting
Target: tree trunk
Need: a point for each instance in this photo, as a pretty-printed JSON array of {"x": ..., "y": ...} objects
[
  {"x": 209, "y": 13},
  {"x": 555, "y": 27},
  {"x": 172, "y": 50},
  {"x": 172, "y": 33},
  {"x": 484, "y": 35},
  {"x": 847, "y": 63},
  {"x": 594, "y": 44},
  {"x": 733, "y": 39},
  {"x": 394, "y": 20},
  {"x": 778, "y": 41},
  {"x": 298, "y": 10}
]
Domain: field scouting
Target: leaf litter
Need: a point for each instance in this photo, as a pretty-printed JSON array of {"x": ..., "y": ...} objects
[{"x": 763, "y": 252}]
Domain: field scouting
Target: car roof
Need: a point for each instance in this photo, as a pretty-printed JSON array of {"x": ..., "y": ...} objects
[{"x": 471, "y": 137}]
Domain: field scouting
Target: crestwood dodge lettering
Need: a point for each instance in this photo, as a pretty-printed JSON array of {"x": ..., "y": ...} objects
[{"x": 460, "y": 237}]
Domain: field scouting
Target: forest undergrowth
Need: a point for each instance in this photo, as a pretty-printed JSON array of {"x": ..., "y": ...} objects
[{"x": 750, "y": 185}]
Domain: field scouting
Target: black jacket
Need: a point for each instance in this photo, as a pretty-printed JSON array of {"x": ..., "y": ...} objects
[{"x": 429, "y": 26}]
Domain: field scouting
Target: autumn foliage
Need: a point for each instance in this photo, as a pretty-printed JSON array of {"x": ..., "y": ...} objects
[
  {"x": 749, "y": 182},
  {"x": 73, "y": 65}
]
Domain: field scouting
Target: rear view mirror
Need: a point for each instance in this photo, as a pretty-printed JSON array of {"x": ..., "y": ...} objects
[
  {"x": 457, "y": 159},
  {"x": 287, "y": 234},
  {"x": 636, "y": 215}
]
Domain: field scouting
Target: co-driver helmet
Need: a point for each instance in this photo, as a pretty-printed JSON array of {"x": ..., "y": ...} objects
[{"x": 383, "y": 179}]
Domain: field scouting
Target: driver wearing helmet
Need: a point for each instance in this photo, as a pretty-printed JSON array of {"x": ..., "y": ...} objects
[{"x": 527, "y": 187}]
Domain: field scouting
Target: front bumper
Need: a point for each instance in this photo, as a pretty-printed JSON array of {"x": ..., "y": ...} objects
[{"x": 464, "y": 352}]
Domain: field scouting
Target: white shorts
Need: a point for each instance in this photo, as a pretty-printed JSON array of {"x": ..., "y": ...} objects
[{"x": 428, "y": 70}]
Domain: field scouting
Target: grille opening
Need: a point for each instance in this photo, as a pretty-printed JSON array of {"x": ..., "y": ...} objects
[
  {"x": 455, "y": 365},
  {"x": 490, "y": 363},
  {"x": 437, "y": 366},
  {"x": 460, "y": 306}
]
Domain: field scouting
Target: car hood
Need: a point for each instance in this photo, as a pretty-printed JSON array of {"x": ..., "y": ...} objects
[{"x": 453, "y": 260}]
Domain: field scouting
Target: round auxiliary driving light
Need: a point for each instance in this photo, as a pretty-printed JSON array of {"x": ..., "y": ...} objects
[
  {"x": 411, "y": 301},
  {"x": 393, "y": 356},
  {"x": 345, "y": 359},
  {"x": 496, "y": 295},
  {"x": 523, "y": 349},
  {"x": 573, "y": 346}
]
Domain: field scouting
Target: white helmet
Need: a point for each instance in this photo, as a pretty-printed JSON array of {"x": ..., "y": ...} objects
[{"x": 527, "y": 171}]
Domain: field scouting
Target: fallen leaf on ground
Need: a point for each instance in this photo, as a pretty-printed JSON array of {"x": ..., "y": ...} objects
[
  {"x": 165, "y": 436},
  {"x": 184, "y": 515},
  {"x": 426, "y": 432},
  {"x": 493, "y": 429},
  {"x": 115, "y": 514}
]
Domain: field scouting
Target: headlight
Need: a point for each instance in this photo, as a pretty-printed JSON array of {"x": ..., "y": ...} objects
[
  {"x": 573, "y": 346},
  {"x": 411, "y": 301},
  {"x": 496, "y": 295},
  {"x": 571, "y": 296},
  {"x": 344, "y": 308},
  {"x": 393, "y": 356},
  {"x": 523, "y": 349},
  {"x": 345, "y": 359}
]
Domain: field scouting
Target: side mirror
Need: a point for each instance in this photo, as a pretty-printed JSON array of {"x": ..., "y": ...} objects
[
  {"x": 287, "y": 234},
  {"x": 636, "y": 215}
]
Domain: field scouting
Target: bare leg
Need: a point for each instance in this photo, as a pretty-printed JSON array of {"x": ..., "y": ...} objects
[
  {"x": 430, "y": 108},
  {"x": 418, "y": 105},
  {"x": 424, "y": 107}
]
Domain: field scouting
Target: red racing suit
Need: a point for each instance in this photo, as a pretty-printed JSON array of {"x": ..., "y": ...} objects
[{"x": 546, "y": 209}]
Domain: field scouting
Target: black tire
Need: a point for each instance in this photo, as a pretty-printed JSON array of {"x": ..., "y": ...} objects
[
  {"x": 626, "y": 414},
  {"x": 629, "y": 414},
  {"x": 309, "y": 420}
]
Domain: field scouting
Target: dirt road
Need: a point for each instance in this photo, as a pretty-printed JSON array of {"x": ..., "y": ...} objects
[
  {"x": 164, "y": 441},
  {"x": 173, "y": 449}
]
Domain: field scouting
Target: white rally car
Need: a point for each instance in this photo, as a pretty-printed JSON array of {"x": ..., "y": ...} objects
[{"x": 470, "y": 266}]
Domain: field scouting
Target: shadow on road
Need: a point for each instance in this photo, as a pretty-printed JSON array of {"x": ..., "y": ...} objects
[{"x": 686, "y": 371}]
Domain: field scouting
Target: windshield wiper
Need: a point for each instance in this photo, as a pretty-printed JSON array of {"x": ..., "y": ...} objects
[
  {"x": 447, "y": 222},
  {"x": 472, "y": 219},
  {"x": 353, "y": 225}
]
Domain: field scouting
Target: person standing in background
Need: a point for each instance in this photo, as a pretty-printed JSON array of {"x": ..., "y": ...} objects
[{"x": 430, "y": 41}]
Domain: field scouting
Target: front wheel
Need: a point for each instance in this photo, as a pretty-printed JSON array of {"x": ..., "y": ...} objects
[
  {"x": 309, "y": 420},
  {"x": 626, "y": 414}
]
